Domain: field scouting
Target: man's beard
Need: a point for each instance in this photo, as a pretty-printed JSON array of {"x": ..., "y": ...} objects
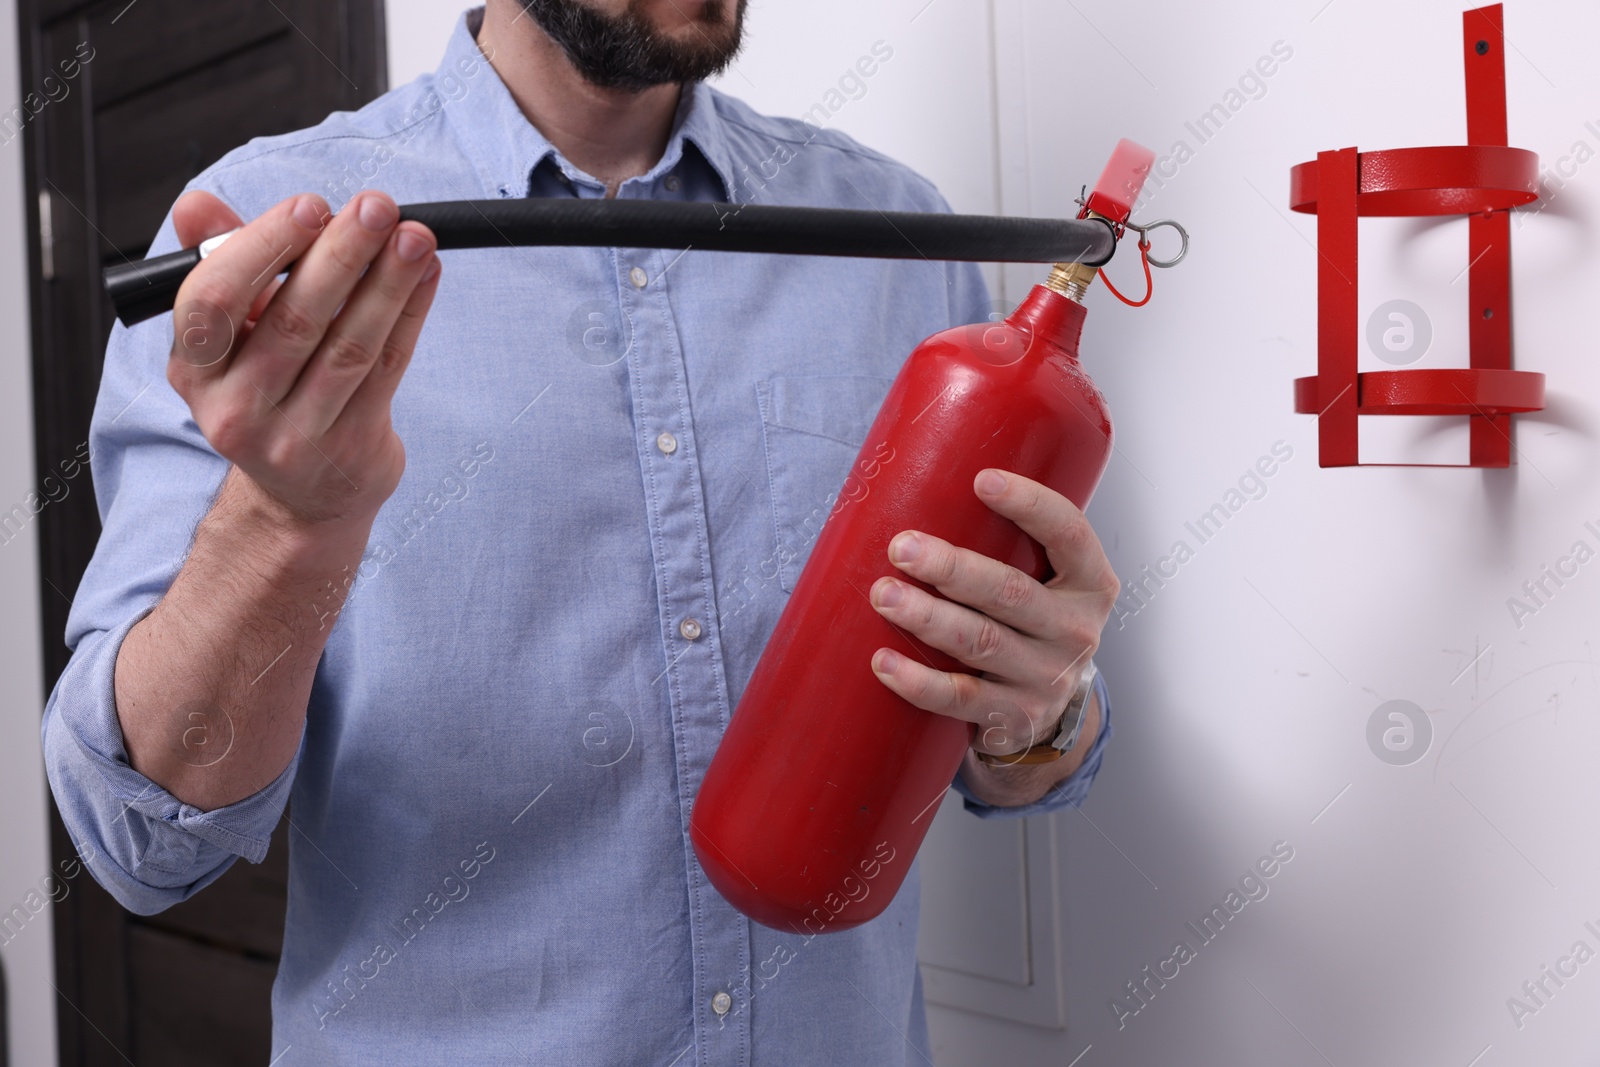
[{"x": 627, "y": 52}]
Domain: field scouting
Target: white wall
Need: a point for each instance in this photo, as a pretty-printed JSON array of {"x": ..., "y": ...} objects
[
  {"x": 1427, "y": 894},
  {"x": 1420, "y": 898},
  {"x": 417, "y": 33},
  {"x": 24, "y": 844}
]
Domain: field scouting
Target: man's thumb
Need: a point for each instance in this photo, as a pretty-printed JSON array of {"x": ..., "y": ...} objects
[{"x": 198, "y": 215}]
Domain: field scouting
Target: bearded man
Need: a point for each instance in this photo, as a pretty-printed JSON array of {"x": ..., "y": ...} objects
[{"x": 467, "y": 563}]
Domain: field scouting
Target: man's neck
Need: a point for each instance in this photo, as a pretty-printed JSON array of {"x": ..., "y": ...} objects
[{"x": 611, "y": 134}]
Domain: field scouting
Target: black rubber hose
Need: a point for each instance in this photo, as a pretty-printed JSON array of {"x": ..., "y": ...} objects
[{"x": 145, "y": 289}]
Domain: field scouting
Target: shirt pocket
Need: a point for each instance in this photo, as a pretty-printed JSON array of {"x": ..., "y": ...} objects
[{"x": 812, "y": 428}]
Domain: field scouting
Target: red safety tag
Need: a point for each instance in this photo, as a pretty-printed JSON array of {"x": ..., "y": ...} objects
[
  {"x": 1113, "y": 199},
  {"x": 1120, "y": 183}
]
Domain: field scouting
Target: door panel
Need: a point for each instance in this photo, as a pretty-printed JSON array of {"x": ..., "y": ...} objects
[
  {"x": 145, "y": 30},
  {"x": 990, "y": 936},
  {"x": 146, "y": 140},
  {"x": 217, "y": 1018}
]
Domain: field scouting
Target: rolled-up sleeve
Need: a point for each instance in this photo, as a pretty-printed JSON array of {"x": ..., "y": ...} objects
[
  {"x": 1067, "y": 793},
  {"x": 154, "y": 479}
]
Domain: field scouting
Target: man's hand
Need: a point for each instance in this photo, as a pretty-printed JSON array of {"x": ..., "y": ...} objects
[
  {"x": 1030, "y": 640},
  {"x": 291, "y": 380}
]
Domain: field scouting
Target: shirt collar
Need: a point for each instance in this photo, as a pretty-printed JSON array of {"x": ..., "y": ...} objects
[{"x": 504, "y": 146}]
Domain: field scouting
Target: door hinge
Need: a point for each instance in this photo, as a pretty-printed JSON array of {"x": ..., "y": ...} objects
[{"x": 47, "y": 237}]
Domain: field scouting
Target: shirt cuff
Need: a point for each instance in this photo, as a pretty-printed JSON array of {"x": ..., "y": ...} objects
[
  {"x": 1067, "y": 793},
  {"x": 134, "y": 835}
]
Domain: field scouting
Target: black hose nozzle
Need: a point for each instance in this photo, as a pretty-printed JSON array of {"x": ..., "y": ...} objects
[{"x": 142, "y": 290}]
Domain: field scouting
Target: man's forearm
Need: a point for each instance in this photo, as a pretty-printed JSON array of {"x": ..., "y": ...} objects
[
  {"x": 212, "y": 686},
  {"x": 1010, "y": 787}
]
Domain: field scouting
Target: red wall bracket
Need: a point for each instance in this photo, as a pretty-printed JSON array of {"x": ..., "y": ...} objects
[{"x": 1483, "y": 179}]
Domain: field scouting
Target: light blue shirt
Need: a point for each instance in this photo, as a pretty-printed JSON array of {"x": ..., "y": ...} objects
[{"x": 489, "y": 858}]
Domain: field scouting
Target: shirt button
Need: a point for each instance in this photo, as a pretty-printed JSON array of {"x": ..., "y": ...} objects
[
  {"x": 721, "y": 1003},
  {"x": 671, "y": 183},
  {"x": 667, "y": 443},
  {"x": 690, "y": 629},
  {"x": 638, "y": 277}
]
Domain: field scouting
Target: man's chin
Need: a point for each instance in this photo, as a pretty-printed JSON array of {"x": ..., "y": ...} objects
[
  {"x": 649, "y": 44},
  {"x": 716, "y": 33},
  {"x": 673, "y": 16}
]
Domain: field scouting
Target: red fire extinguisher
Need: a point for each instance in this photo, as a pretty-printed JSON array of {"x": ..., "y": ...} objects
[{"x": 825, "y": 782}]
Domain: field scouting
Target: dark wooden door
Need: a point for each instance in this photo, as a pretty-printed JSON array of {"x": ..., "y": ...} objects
[{"x": 131, "y": 99}]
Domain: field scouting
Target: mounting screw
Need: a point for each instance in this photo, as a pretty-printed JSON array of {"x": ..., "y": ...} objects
[
  {"x": 1488, "y": 313},
  {"x": 1483, "y": 48}
]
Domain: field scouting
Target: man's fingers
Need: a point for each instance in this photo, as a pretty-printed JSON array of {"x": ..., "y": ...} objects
[
  {"x": 971, "y": 637},
  {"x": 293, "y": 325},
  {"x": 356, "y": 339},
  {"x": 1075, "y": 554},
  {"x": 1002, "y": 726},
  {"x": 215, "y": 300},
  {"x": 376, "y": 391},
  {"x": 960, "y": 696},
  {"x": 198, "y": 215},
  {"x": 997, "y": 589},
  {"x": 262, "y": 300}
]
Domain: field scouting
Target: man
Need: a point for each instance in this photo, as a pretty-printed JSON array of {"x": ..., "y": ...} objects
[{"x": 469, "y": 566}]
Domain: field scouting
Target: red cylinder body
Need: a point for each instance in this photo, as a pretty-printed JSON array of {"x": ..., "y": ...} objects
[{"x": 825, "y": 782}]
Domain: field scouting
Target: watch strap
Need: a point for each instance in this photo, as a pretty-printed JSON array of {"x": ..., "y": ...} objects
[{"x": 1068, "y": 729}]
